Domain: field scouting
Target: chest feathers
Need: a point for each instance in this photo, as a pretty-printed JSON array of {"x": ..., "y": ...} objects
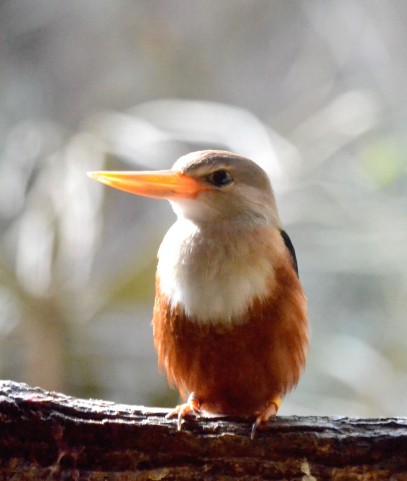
[{"x": 214, "y": 274}]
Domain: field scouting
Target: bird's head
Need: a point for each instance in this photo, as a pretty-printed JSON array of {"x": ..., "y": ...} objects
[{"x": 205, "y": 186}]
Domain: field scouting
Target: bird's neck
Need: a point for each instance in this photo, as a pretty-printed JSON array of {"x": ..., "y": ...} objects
[{"x": 214, "y": 272}]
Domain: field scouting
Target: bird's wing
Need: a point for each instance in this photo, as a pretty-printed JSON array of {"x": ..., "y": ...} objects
[{"x": 290, "y": 247}]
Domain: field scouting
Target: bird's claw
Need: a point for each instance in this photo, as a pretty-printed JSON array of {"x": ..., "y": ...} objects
[
  {"x": 191, "y": 406},
  {"x": 263, "y": 416}
]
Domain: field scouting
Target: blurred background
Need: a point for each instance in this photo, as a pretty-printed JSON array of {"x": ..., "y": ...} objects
[{"x": 314, "y": 91}]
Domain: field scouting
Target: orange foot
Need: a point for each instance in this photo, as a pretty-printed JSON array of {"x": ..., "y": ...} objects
[
  {"x": 268, "y": 412},
  {"x": 191, "y": 406}
]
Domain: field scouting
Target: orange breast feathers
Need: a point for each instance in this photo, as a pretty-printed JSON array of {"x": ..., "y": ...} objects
[{"x": 236, "y": 365}]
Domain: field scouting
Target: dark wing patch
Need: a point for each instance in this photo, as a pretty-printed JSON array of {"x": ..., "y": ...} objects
[{"x": 290, "y": 247}]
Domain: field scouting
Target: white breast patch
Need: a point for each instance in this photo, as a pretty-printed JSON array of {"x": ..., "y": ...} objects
[{"x": 214, "y": 277}]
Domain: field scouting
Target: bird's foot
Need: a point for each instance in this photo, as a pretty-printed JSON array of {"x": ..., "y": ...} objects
[
  {"x": 192, "y": 405},
  {"x": 268, "y": 412}
]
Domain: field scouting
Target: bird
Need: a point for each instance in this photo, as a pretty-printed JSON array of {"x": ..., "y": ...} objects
[{"x": 230, "y": 321}]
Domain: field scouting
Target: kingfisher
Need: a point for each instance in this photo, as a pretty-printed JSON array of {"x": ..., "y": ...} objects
[{"x": 230, "y": 316}]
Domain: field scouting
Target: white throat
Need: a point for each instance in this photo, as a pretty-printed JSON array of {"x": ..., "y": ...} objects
[{"x": 215, "y": 272}]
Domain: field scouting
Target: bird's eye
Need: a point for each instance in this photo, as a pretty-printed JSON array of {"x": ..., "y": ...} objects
[{"x": 220, "y": 178}]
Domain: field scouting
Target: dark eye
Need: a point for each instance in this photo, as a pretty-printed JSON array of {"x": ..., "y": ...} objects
[{"x": 220, "y": 178}]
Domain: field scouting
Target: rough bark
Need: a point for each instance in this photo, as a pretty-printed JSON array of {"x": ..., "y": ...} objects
[{"x": 47, "y": 435}]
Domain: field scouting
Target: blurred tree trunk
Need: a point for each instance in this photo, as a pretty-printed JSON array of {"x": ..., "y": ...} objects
[
  {"x": 51, "y": 436},
  {"x": 45, "y": 345}
]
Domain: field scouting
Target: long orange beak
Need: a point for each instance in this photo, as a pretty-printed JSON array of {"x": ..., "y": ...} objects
[{"x": 162, "y": 184}]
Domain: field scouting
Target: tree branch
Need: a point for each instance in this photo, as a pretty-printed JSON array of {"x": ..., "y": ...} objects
[{"x": 48, "y": 436}]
